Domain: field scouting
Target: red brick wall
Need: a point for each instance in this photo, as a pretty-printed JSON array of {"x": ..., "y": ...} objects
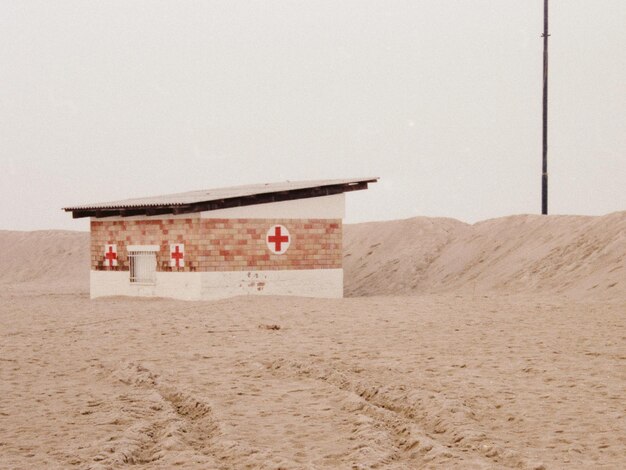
[{"x": 222, "y": 244}]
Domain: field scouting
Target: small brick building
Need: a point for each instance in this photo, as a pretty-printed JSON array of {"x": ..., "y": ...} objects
[{"x": 276, "y": 239}]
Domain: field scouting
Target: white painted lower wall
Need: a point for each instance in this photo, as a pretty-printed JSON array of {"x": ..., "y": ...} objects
[
  {"x": 323, "y": 283},
  {"x": 184, "y": 286}
]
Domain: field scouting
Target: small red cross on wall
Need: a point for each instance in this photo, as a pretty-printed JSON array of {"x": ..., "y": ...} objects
[
  {"x": 110, "y": 255},
  {"x": 177, "y": 255},
  {"x": 278, "y": 239}
]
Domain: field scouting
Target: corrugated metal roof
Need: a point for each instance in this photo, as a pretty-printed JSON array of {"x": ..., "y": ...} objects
[{"x": 208, "y": 195}]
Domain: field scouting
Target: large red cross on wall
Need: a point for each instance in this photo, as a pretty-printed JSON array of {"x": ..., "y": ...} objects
[
  {"x": 110, "y": 255},
  {"x": 276, "y": 238}
]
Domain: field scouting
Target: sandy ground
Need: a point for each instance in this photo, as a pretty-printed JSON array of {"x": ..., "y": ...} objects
[
  {"x": 395, "y": 382},
  {"x": 459, "y": 365}
]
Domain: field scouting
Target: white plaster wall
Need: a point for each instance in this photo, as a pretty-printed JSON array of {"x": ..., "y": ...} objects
[
  {"x": 324, "y": 207},
  {"x": 184, "y": 286},
  {"x": 323, "y": 283}
]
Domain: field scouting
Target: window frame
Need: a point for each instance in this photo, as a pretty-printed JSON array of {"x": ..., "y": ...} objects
[{"x": 146, "y": 257}]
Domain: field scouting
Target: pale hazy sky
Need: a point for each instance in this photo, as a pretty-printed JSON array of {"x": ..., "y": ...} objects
[{"x": 104, "y": 100}]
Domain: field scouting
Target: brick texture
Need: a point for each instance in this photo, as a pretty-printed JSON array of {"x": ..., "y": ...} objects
[{"x": 222, "y": 244}]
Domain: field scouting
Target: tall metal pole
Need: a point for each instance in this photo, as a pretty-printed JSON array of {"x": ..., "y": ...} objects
[{"x": 544, "y": 172}]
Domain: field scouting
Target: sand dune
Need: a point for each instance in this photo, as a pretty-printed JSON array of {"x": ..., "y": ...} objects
[
  {"x": 568, "y": 255},
  {"x": 578, "y": 256},
  {"x": 54, "y": 260}
]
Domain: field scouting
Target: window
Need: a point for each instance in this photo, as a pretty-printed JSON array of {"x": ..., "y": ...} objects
[{"x": 143, "y": 264}]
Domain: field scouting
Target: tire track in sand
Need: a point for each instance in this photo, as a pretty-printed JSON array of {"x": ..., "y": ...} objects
[
  {"x": 163, "y": 419},
  {"x": 168, "y": 426},
  {"x": 419, "y": 436}
]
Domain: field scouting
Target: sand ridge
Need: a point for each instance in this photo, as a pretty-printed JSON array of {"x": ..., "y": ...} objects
[
  {"x": 52, "y": 260},
  {"x": 579, "y": 256}
]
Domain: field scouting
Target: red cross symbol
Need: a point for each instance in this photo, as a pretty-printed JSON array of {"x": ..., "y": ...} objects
[
  {"x": 277, "y": 239},
  {"x": 111, "y": 256},
  {"x": 177, "y": 255}
]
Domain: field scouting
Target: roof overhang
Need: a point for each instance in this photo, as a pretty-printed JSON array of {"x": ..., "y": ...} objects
[{"x": 170, "y": 205}]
